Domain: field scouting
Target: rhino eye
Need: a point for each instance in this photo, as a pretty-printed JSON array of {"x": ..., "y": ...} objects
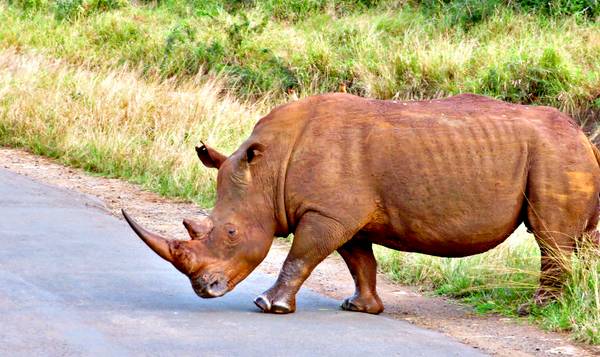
[
  {"x": 233, "y": 236},
  {"x": 231, "y": 232}
]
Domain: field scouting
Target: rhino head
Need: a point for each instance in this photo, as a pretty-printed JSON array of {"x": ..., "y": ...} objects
[{"x": 227, "y": 245}]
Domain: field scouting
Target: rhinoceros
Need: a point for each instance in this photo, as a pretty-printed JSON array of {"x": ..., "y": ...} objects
[{"x": 450, "y": 178}]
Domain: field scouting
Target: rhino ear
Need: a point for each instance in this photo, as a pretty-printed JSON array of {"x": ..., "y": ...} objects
[
  {"x": 254, "y": 152},
  {"x": 209, "y": 156}
]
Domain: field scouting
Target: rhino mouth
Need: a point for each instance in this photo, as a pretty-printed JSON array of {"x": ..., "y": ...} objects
[
  {"x": 209, "y": 294},
  {"x": 210, "y": 289}
]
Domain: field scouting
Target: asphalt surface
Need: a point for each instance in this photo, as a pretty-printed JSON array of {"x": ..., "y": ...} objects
[{"x": 76, "y": 281}]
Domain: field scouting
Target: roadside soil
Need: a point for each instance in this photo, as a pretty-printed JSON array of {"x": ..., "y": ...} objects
[{"x": 493, "y": 334}]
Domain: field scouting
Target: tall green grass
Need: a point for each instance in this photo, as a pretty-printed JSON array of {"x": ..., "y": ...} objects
[
  {"x": 501, "y": 279},
  {"x": 117, "y": 125},
  {"x": 521, "y": 51}
]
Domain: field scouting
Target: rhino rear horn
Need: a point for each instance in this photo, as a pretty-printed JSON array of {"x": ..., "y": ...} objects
[
  {"x": 158, "y": 244},
  {"x": 210, "y": 157},
  {"x": 198, "y": 229}
]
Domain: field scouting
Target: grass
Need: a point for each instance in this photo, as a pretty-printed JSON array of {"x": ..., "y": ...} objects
[
  {"x": 505, "y": 277},
  {"x": 118, "y": 125},
  {"x": 383, "y": 49},
  {"x": 128, "y": 89}
]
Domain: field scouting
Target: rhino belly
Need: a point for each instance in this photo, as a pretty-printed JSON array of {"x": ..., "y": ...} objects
[
  {"x": 453, "y": 192},
  {"x": 454, "y": 232}
]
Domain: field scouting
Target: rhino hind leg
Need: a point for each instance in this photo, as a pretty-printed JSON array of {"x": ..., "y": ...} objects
[
  {"x": 358, "y": 255},
  {"x": 559, "y": 226},
  {"x": 555, "y": 254},
  {"x": 315, "y": 238}
]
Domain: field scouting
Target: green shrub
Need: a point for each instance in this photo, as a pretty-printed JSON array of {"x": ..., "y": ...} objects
[
  {"x": 468, "y": 13},
  {"x": 29, "y": 5},
  {"x": 460, "y": 13},
  {"x": 106, "y": 5},
  {"x": 292, "y": 9},
  {"x": 250, "y": 68},
  {"x": 526, "y": 79},
  {"x": 297, "y": 10},
  {"x": 71, "y": 9},
  {"x": 190, "y": 8},
  {"x": 589, "y": 8},
  {"x": 112, "y": 32},
  {"x": 180, "y": 55},
  {"x": 68, "y": 9}
]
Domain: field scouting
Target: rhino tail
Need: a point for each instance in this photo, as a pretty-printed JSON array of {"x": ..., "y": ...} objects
[
  {"x": 595, "y": 235},
  {"x": 597, "y": 155},
  {"x": 596, "y": 152}
]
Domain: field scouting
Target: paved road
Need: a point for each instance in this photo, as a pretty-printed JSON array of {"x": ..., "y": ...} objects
[{"x": 76, "y": 281}]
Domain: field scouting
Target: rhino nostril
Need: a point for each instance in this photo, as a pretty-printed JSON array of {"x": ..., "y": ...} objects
[
  {"x": 210, "y": 285},
  {"x": 214, "y": 284}
]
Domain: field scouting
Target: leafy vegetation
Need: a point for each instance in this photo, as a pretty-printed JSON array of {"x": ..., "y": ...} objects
[
  {"x": 521, "y": 51},
  {"x": 126, "y": 89},
  {"x": 501, "y": 279},
  {"x": 118, "y": 125}
]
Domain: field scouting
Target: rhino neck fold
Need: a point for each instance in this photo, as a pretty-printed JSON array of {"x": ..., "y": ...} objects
[
  {"x": 282, "y": 137},
  {"x": 283, "y": 218}
]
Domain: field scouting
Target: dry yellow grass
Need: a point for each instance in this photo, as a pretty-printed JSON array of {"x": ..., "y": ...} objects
[{"x": 116, "y": 124}]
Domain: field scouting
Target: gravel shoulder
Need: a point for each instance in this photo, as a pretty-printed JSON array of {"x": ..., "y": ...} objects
[{"x": 493, "y": 334}]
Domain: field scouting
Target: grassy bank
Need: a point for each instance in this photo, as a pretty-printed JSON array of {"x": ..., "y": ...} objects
[
  {"x": 127, "y": 91},
  {"x": 118, "y": 125},
  {"x": 501, "y": 279},
  {"x": 383, "y": 49}
]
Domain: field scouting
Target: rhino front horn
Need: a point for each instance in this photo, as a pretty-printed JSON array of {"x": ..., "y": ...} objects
[{"x": 158, "y": 244}]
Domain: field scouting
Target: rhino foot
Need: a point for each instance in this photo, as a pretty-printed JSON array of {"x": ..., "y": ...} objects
[
  {"x": 541, "y": 298},
  {"x": 370, "y": 305},
  {"x": 276, "y": 307},
  {"x": 524, "y": 309}
]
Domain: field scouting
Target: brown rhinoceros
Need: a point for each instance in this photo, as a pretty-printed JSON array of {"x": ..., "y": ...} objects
[{"x": 450, "y": 178}]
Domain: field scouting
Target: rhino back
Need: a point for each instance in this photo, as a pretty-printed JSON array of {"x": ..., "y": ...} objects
[{"x": 420, "y": 176}]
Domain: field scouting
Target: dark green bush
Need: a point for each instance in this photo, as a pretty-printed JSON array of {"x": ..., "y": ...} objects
[
  {"x": 68, "y": 9},
  {"x": 470, "y": 12},
  {"x": 186, "y": 8},
  {"x": 527, "y": 80},
  {"x": 71, "y": 9},
  {"x": 106, "y": 5},
  {"x": 296, "y": 10},
  {"x": 29, "y": 5},
  {"x": 180, "y": 53},
  {"x": 589, "y": 8},
  {"x": 253, "y": 71}
]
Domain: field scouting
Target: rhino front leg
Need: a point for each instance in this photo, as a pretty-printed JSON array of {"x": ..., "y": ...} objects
[
  {"x": 358, "y": 255},
  {"x": 315, "y": 238}
]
